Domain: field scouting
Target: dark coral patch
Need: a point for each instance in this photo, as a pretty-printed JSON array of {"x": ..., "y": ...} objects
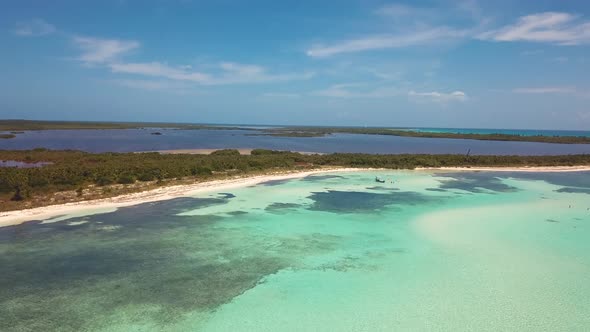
[
  {"x": 313, "y": 178},
  {"x": 475, "y": 182},
  {"x": 281, "y": 207},
  {"x": 574, "y": 190},
  {"x": 364, "y": 202}
]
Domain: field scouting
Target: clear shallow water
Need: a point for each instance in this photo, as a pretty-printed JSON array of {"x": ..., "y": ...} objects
[
  {"x": 130, "y": 140},
  {"x": 431, "y": 252}
]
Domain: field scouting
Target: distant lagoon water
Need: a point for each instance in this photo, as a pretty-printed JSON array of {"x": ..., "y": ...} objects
[{"x": 132, "y": 140}]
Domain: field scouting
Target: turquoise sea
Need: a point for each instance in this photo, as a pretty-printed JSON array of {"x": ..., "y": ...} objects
[{"x": 432, "y": 251}]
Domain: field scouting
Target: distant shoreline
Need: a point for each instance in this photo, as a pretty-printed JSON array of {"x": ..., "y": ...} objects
[
  {"x": 16, "y": 217},
  {"x": 243, "y": 151},
  {"x": 296, "y": 131},
  {"x": 536, "y": 169}
]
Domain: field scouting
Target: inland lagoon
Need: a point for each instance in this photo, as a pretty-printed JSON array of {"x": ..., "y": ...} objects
[{"x": 424, "y": 251}]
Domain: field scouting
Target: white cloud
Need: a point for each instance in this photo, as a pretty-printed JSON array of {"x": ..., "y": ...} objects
[
  {"x": 439, "y": 97},
  {"x": 549, "y": 27},
  {"x": 157, "y": 69},
  {"x": 545, "y": 90},
  {"x": 34, "y": 28},
  {"x": 99, "y": 51},
  {"x": 359, "y": 91},
  {"x": 428, "y": 36},
  {"x": 230, "y": 73}
]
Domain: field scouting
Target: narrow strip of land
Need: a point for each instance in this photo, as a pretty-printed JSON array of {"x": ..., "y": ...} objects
[
  {"x": 174, "y": 191},
  {"x": 163, "y": 193}
]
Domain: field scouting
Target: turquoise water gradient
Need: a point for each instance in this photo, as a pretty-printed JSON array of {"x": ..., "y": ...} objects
[{"x": 470, "y": 251}]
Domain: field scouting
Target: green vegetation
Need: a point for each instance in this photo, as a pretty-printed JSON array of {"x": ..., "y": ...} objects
[
  {"x": 316, "y": 132},
  {"x": 7, "y": 136},
  {"x": 107, "y": 174},
  {"x": 226, "y": 152}
]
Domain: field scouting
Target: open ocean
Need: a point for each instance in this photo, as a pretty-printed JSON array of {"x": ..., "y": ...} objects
[{"x": 468, "y": 251}]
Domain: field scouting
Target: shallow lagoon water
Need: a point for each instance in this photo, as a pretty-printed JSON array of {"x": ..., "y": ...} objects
[
  {"x": 131, "y": 140},
  {"x": 430, "y": 252}
]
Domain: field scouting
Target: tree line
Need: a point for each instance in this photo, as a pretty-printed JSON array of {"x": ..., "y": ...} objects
[{"x": 71, "y": 170}]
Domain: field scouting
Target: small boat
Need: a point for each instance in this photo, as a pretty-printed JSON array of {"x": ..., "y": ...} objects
[{"x": 380, "y": 180}]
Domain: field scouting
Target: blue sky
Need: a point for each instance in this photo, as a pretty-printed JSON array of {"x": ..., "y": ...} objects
[{"x": 465, "y": 63}]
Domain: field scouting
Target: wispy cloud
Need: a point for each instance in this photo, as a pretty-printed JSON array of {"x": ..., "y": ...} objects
[
  {"x": 110, "y": 53},
  {"x": 439, "y": 97},
  {"x": 34, "y": 28},
  {"x": 549, "y": 27},
  {"x": 457, "y": 9},
  {"x": 157, "y": 69},
  {"x": 427, "y": 36},
  {"x": 418, "y": 26},
  {"x": 100, "y": 51},
  {"x": 357, "y": 90},
  {"x": 144, "y": 84},
  {"x": 411, "y": 26},
  {"x": 545, "y": 90},
  {"x": 227, "y": 73}
]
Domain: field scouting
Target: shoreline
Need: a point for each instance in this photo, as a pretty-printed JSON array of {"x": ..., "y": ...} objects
[
  {"x": 243, "y": 151},
  {"x": 16, "y": 217}
]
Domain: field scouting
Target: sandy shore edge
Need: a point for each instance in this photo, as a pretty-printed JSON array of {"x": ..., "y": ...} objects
[
  {"x": 15, "y": 217},
  {"x": 19, "y": 216}
]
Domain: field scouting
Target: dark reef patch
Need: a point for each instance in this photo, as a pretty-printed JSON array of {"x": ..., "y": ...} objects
[
  {"x": 237, "y": 213},
  {"x": 381, "y": 188},
  {"x": 226, "y": 195},
  {"x": 147, "y": 259},
  {"x": 574, "y": 190},
  {"x": 364, "y": 202},
  {"x": 474, "y": 182},
  {"x": 564, "y": 179},
  {"x": 281, "y": 207},
  {"x": 321, "y": 177},
  {"x": 437, "y": 190},
  {"x": 272, "y": 183}
]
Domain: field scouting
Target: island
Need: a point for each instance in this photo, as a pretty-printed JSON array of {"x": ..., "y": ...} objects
[{"x": 70, "y": 176}]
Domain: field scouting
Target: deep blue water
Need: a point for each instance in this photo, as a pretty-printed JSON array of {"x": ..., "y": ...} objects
[{"x": 129, "y": 140}]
